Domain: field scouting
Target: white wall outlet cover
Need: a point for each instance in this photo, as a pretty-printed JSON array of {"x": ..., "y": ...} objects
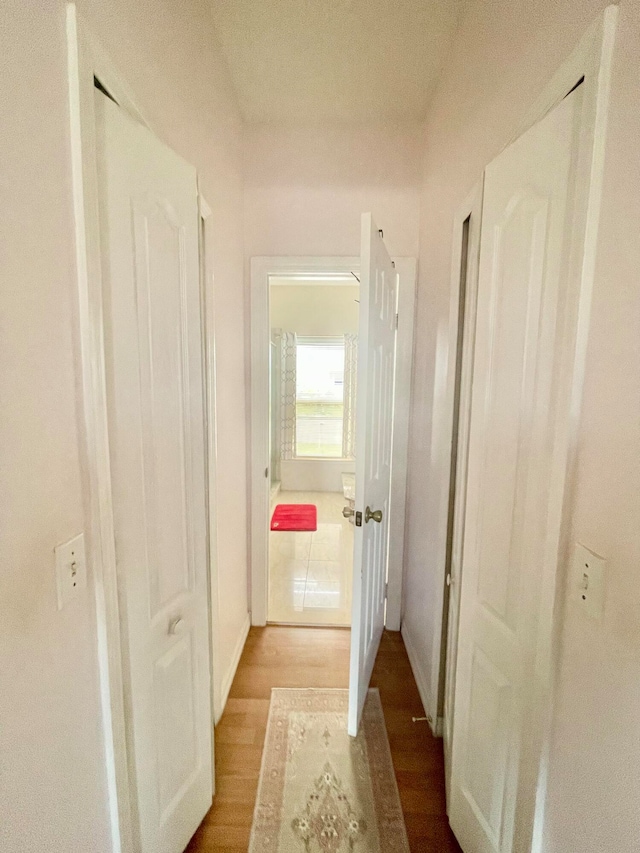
[
  {"x": 71, "y": 569},
  {"x": 588, "y": 581}
]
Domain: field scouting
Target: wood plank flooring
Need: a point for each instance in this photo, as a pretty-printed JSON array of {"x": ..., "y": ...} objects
[{"x": 319, "y": 657}]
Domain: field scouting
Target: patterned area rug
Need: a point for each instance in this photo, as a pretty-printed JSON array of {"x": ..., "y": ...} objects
[{"x": 320, "y": 790}]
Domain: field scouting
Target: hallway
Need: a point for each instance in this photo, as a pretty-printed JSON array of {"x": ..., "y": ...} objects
[{"x": 319, "y": 657}]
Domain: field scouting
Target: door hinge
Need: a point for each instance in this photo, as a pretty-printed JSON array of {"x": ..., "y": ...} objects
[
  {"x": 397, "y": 320},
  {"x": 386, "y": 590},
  {"x": 358, "y": 519},
  {"x": 266, "y": 472}
]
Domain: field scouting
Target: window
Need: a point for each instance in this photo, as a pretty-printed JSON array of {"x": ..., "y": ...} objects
[{"x": 320, "y": 397}]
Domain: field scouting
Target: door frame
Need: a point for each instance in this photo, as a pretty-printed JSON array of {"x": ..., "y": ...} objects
[
  {"x": 86, "y": 61},
  {"x": 589, "y": 64},
  {"x": 262, "y": 268},
  {"x": 460, "y": 353}
]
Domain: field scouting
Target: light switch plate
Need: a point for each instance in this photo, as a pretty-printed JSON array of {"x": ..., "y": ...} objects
[
  {"x": 71, "y": 569},
  {"x": 588, "y": 581}
]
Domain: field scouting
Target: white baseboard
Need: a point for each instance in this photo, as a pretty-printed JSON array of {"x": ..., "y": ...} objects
[
  {"x": 421, "y": 681},
  {"x": 231, "y": 672}
]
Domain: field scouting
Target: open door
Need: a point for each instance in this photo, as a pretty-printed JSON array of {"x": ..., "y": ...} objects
[
  {"x": 155, "y": 397},
  {"x": 374, "y": 428}
]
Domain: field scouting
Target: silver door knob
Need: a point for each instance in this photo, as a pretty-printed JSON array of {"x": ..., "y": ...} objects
[
  {"x": 376, "y": 515},
  {"x": 347, "y": 511},
  {"x": 176, "y": 626}
]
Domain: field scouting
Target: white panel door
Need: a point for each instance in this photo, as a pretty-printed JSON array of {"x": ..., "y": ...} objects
[
  {"x": 153, "y": 350},
  {"x": 374, "y": 427},
  {"x": 510, "y": 543}
]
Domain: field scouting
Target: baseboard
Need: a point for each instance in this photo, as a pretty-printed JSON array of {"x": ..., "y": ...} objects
[
  {"x": 421, "y": 681},
  {"x": 274, "y": 491},
  {"x": 231, "y": 673}
]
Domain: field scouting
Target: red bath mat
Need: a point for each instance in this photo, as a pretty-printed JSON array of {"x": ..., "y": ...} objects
[{"x": 295, "y": 517}]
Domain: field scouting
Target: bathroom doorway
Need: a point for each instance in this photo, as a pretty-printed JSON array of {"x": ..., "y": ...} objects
[
  {"x": 304, "y": 356},
  {"x": 312, "y": 384}
]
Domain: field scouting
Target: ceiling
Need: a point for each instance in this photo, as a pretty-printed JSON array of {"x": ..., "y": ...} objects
[{"x": 295, "y": 61}]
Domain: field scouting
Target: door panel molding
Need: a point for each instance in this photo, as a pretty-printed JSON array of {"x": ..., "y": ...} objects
[{"x": 86, "y": 61}]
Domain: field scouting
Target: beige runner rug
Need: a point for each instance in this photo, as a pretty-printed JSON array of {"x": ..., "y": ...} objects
[{"x": 321, "y": 791}]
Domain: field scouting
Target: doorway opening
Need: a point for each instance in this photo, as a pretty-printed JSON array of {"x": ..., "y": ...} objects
[
  {"x": 315, "y": 446},
  {"x": 312, "y": 413}
]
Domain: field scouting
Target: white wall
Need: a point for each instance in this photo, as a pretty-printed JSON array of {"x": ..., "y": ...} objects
[
  {"x": 305, "y": 188},
  {"x": 502, "y": 57},
  {"x": 51, "y": 741},
  {"x": 314, "y": 309},
  {"x": 314, "y": 475}
]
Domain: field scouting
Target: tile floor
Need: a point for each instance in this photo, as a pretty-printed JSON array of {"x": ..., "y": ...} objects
[{"x": 310, "y": 574}]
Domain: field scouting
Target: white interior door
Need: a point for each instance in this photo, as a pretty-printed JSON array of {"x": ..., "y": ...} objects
[
  {"x": 153, "y": 350},
  {"x": 510, "y": 541},
  {"x": 374, "y": 428}
]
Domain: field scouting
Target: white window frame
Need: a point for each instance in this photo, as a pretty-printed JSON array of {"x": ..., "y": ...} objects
[
  {"x": 320, "y": 268},
  {"x": 320, "y": 340}
]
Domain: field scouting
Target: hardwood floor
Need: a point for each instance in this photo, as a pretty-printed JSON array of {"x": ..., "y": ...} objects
[{"x": 319, "y": 657}]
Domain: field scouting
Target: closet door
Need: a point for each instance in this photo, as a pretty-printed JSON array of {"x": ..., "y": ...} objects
[
  {"x": 153, "y": 353},
  {"x": 510, "y": 542}
]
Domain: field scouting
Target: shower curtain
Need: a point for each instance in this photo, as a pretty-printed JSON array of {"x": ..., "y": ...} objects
[
  {"x": 287, "y": 345},
  {"x": 350, "y": 388}
]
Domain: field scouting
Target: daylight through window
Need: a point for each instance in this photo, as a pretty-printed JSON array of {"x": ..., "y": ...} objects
[{"x": 319, "y": 397}]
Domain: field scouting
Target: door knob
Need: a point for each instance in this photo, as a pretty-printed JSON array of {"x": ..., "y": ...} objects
[
  {"x": 176, "y": 626},
  {"x": 376, "y": 515},
  {"x": 347, "y": 511}
]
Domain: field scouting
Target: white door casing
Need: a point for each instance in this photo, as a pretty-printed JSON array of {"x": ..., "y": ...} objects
[
  {"x": 374, "y": 441},
  {"x": 464, "y": 280},
  {"x": 510, "y": 542},
  {"x": 153, "y": 356}
]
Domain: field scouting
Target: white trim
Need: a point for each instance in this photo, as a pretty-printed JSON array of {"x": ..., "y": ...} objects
[
  {"x": 471, "y": 209},
  {"x": 322, "y": 281},
  {"x": 407, "y": 277},
  {"x": 86, "y": 60},
  {"x": 211, "y": 434},
  {"x": 262, "y": 268},
  {"x": 231, "y": 673},
  {"x": 592, "y": 60}
]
